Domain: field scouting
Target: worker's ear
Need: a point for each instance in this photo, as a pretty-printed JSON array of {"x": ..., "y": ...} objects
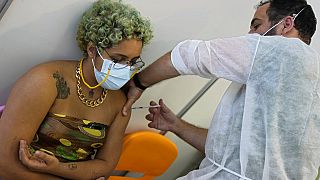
[
  {"x": 91, "y": 50},
  {"x": 288, "y": 25}
]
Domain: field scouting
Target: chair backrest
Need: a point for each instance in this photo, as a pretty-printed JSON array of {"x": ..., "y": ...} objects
[{"x": 146, "y": 152}]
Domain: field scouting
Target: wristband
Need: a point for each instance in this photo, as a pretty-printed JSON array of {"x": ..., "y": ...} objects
[{"x": 137, "y": 82}]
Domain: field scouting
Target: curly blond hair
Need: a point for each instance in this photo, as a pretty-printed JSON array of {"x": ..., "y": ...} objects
[{"x": 108, "y": 22}]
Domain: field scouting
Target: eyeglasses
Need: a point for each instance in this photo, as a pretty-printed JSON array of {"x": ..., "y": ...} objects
[{"x": 136, "y": 64}]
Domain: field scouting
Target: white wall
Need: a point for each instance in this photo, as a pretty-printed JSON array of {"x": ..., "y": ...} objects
[{"x": 34, "y": 31}]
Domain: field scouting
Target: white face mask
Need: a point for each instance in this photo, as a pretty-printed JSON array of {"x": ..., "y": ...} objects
[{"x": 112, "y": 78}]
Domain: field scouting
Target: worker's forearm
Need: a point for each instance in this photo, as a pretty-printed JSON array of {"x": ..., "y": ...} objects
[
  {"x": 159, "y": 70},
  {"x": 195, "y": 136}
]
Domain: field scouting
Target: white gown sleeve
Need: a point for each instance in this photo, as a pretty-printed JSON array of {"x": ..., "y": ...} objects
[{"x": 228, "y": 58}]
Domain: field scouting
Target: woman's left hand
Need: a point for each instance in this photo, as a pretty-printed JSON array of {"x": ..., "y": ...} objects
[{"x": 39, "y": 161}]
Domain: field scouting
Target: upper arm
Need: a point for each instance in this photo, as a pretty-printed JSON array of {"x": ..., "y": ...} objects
[
  {"x": 228, "y": 58},
  {"x": 111, "y": 150},
  {"x": 28, "y": 103}
]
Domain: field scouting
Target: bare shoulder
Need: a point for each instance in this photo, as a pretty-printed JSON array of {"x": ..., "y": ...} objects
[
  {"x": 43, "y": 76},
  {"x": 29, "y": 101},
  {"x": 38, "y": 75},
  {"x": 51, "y": 67},
  {"x": 118, "y": 98},
  {"x": 45, "y": 68}
]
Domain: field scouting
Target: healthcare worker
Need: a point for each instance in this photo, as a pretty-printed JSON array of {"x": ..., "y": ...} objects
[{"x": 267, "y": 124}]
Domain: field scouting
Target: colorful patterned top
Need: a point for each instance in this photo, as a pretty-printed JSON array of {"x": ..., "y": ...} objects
[{"x": 69, "y": 138}]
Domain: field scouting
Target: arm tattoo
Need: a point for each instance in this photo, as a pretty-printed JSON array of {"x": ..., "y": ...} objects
[
  {"x": 72, "y": 166},
  {"x": 62, "y": 87}
]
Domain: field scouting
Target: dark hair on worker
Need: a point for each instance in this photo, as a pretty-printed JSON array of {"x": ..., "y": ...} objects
[{"x": 305, "y": 22}]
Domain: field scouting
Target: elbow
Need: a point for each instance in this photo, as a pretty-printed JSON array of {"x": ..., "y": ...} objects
[
  {"x": 104, "y": 170},
  {"x": 5, "y": 169},
  {"x": 6, "y": 172},
  {"x": 10, "y": 169},
  {"x": 2, "y": 172}
]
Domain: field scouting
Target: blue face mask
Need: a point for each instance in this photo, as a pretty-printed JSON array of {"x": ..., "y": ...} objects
[{"x": 112, "y": 76}]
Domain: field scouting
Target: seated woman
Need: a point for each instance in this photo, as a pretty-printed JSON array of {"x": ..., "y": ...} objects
[{"x": 67, "y": 113}]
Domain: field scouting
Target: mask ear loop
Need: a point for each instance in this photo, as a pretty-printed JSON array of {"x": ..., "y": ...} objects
[
  {"x": 296, "y": 15},
  {"x": 103, "y": 60},
  {"x": 93, "y": 87},
  {"x": 136, "y": 71},
  {"x": 294, "y": 18},
  {"x": 272, "y": 27}
]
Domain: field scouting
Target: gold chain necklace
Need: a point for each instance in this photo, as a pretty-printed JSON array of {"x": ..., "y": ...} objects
[{"x": 88, "y": 102}]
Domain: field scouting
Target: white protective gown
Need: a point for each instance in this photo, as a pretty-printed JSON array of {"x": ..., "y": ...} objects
[{"x": 267, "y": 125}]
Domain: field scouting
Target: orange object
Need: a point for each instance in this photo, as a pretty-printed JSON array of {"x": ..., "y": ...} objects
[{"x": 146, "y": 152}]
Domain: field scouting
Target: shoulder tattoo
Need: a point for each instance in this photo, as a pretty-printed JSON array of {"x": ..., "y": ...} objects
[{"x": 62, "y": 86}]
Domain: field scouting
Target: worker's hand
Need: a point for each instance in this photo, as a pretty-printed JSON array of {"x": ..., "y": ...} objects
[
  {"x": 39, "y": 161},
  {"x": 133, "y": 94},
  {"x": 162, "y": 118}
]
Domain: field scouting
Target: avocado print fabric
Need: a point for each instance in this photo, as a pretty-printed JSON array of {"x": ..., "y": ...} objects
[{"x": 69, "y": 138}]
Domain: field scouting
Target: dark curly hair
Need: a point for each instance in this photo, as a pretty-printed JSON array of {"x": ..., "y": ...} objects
[{"x": 305, "y": 23}]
